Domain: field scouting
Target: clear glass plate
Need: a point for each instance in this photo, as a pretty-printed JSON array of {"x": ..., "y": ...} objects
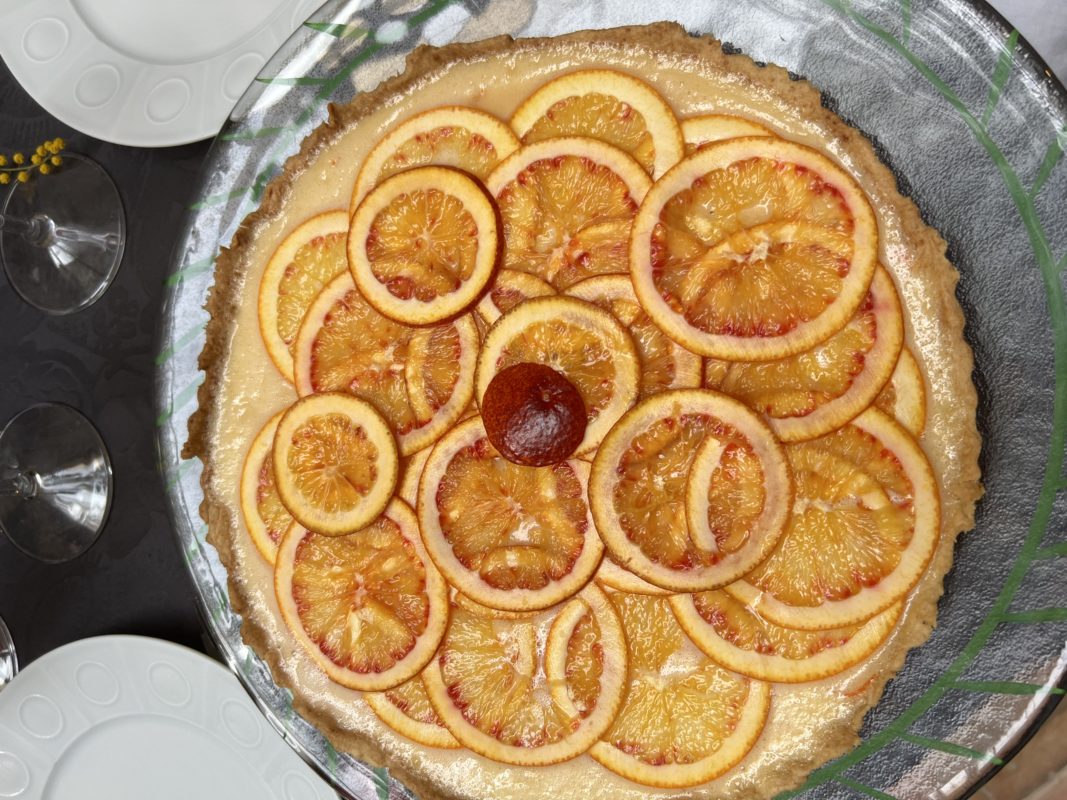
[{"x": 973, "y": 125}]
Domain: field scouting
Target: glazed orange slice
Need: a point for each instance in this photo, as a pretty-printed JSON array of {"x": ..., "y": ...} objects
[
  {"x": 608, "y": 105},
  {"x": 753, "y": 249},
  {"x": 814, "y": 392},
  {"x": 509, "y": 288},
  {"x": 410, "y": 471},
  {"x": 306, "y": 260},
  {"x": 423, "y": 244},
  {"x": 685, "y": 719},
  {"x": 584, "y": 343},
  {"x": 368, "y": 608},
  {"x": 265, "y": 516},
  {"x": 451, "y": 136},
  {"x": 865, "y": 524},
  {"x": 407, "y": 710},
  {"x": 509, "y": 537},
  {"x": 420, "y": 379},
  {"x": 736, "y": 637},
  {"x": 460, "y": 600},
  {"x": 690, "y": 490},
  {"x": 904, "y": 397},
  {"x": 496, "y": 694},
  {"x": 708, "y": 128},
  {"x": 664, "y": 363},
  {"x": 555, "y": 231},
  {"x": 611, "y": 575},
  {"x": 335, "y": 462}
]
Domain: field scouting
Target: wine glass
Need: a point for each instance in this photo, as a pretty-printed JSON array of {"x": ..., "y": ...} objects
[
  {"x": 62, "y": 236},
  {"x": 9, "y": 661},
  {"x": 55, "y": 482}
]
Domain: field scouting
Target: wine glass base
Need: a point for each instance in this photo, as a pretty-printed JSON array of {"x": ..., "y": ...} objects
[
  {"x": 63, "y": 456},
  {"x": 73, "y": 266},
  {"x": 9, "y": 660}
]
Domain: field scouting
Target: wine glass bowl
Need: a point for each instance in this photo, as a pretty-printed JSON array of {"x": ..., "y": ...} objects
[{"x": 62, "y": 236}]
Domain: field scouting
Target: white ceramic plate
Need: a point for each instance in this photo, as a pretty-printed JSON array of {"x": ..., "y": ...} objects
[
  {"x": 129, "y": 718},
  {"x": 147, "y": 73}
]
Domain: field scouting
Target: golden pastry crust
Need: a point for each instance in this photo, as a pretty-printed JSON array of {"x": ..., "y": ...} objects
[{"x": 959, "y": 494}]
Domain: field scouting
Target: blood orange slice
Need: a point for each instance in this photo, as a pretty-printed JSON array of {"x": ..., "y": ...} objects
[
  {"x": 685, "y": 720},
  {"x": 664, "y": 363},
  {"x": 451, "y": 136},
  {"x": 510, "y": 288},
  {"x": 753, "y": 249},
  {"x": 407, "y": 710},
  {"x": 423, "y": 244},
  {"x": 420, "y": 379},
  {"x": 865, "y": 524},
  {"x": 738, "y": 638},
  {"x": 681, "y": 538},
  {"x": 265, "y": 516},
  {"x": 507, "y": 536},
  {"x": 814, "y": 392},
  {"x": 335, "y": 462},
  {"x": 604, "y": 104},
  {"x": 306, "y": 260},
  {"x": 410, "y": 471},
  {"x": 708, "y": 128},
  {"x": 502, "y": 700},
  {"x": 368, "y": 608},
  {"x": 612, "y": 576},
  {"x": 904, "y": 397},
  {"x": 556, "y": 231}
]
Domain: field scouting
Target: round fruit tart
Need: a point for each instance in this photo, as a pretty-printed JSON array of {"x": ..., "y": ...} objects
[{"x": 586, "y": 417}]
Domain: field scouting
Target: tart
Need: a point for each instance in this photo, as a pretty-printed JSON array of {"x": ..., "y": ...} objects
[{"x": 709, "y": 592}]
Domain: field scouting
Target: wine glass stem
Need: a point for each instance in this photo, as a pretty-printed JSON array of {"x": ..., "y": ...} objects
[
  {"x": 21, "y": 484},
  {"x": 36, "y": 230}
]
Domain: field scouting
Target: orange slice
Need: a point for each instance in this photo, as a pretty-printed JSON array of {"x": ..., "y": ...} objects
[
  {"x": 510, "y": 288},
  {"x": 423, "y": 244},
  {"x": 411, "y": 470},
  {"x": 420, "y": 379},
  {"x": 690, "y": 490},
  {"x": 865, "y": 524},
  {"x": 685, "y": 720},
  {"x": 753, "y": 249},
  {"x": 496, "y": 695},
  {"x": 811, "y": 393},
  {"x": 736, "y": 637},
  {"x": 451, "y": 136},
  {"x": 555, "y": 231},
  {"x": 904, "y": 397},
  {"x": 664, "y": 363},
  {"x": 266, "y": 518},
  {"x": 369, "y": 608},
  {"x": 407, "y": 710},
  {"x": 708, "y": 128},
  {"x": 584, "y": 343},
  {"x": 613, "y": 576},
  {"x": 306, "y": 260},
  {"x": 461, "y": 600},
  {"x": 335, "y": 462},
  {"x": 507, "y": 536},
  {"x": 604, "y": 104}
]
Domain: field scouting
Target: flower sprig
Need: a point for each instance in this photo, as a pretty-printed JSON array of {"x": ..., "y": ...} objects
[{"x": 45, "y": 159}]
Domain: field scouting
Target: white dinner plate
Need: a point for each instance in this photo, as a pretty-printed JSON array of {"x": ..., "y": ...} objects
[
  {"x": 131, "y": 718},
  {"x": 147, "y": 73}
]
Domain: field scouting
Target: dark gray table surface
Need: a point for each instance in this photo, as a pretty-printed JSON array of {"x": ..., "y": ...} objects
[{"x": 102, "y": 362}]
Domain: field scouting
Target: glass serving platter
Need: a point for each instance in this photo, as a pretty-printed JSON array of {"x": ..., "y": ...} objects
[{"x": 973, "y": 125}]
